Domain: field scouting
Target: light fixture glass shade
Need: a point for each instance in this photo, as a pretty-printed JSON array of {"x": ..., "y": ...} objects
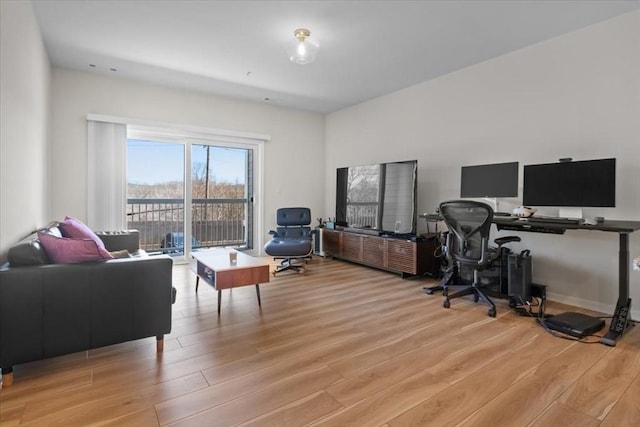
[{"x": 302, "y": 49}]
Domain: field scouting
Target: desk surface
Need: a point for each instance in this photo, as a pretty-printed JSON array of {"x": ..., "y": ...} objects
[{"x": 617, "y": 226}]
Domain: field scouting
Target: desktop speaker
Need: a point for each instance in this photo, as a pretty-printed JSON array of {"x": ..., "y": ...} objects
[{"x": 519, "y": 276}]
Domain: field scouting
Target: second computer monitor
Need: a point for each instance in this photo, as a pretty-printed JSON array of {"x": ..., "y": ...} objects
[
  {"x": 491, "y": 181},
  {"x": 586, "y": 183}
]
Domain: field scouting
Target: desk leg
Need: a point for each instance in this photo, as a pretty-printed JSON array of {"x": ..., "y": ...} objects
[
  {"x": 258, "y": 294},
  {"x": 623, "y": 267},
  {"x": 619, "y": 323},
  {"x": 197, "y": 282},
  {"x": 621, "y": 316},
  {"x": 219, "y": 300}
]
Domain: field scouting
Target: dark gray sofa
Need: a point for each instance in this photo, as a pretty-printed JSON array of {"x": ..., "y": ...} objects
[{"x": 48, "y": 310}]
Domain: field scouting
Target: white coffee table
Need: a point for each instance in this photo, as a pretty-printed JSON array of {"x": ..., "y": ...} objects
[{"x": 216, "y": 269}]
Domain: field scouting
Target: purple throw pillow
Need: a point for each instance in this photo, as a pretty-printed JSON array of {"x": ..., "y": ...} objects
[
  {"x": 63, "y": 250},
  {"x": 76, "y": 229}
]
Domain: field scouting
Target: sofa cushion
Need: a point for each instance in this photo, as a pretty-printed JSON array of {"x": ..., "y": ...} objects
[
  {"x": 27, "y": 252},
  {"x": 64, "y": 250},
  {"x": 76, "y": 229},
  {"x": 118, "y": 240}
]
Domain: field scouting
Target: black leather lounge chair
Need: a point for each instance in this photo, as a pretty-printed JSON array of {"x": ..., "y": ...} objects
[{"x": 292, "y": 240}]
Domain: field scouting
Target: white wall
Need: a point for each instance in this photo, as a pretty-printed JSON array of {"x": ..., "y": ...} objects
[
  {"x": 24, "y": 118},
  {"x": 577, "y": 95},
  {"x": 294, "y": 157}
]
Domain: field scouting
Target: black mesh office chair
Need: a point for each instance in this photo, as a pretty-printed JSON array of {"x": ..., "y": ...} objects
[
  {"x": 292, "y": 240},
  {"x": 467, "y": 245}
]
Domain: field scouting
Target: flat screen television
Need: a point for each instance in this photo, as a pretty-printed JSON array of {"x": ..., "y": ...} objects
[
  {"x": 587, "y": 183},
  {"x": 492, "y": 181},
  {"x": 380, "y": 196}
]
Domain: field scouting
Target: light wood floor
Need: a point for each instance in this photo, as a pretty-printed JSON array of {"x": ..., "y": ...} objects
[{"x": 339, "y": 345}]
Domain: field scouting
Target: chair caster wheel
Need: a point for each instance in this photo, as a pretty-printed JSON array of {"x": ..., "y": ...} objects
[
  {"x": 446, "y": 304},
  {"x": 476, "y": 298},
  {"x": 273, "y": 273},
  {"x": 492, "y": 312}
]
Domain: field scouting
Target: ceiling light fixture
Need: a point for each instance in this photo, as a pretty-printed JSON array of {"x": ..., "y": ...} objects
[{"x": 303, "y": 49}]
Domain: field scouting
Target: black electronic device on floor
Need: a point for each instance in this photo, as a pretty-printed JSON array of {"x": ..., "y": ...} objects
[
  {"x": 575, "y": 324},
  {"x": 519, "y": 276}
]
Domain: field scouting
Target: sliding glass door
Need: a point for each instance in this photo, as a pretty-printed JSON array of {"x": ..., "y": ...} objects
[
  {"x": 156, "y": 194},
  {"x": 178, "y": 212},
  {"x": 221, "y": 194}
]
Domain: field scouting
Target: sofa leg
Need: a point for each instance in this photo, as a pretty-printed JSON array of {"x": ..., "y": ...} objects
[
  {"x": 7, "y": 377},
  {"x": 160, "y": 343}
]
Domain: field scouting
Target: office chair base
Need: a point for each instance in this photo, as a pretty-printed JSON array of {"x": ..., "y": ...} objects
[
  {"x": 446, "y": 280},
  {"x": 477, "y": 293}
]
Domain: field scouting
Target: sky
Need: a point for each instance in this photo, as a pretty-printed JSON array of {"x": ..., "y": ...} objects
[{"x": 151, "y": 162}]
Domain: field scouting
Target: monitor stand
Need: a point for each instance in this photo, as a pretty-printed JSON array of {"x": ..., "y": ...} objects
[
  {"x": 493, "y": 201},
  {"x": 570, "y": 212}
]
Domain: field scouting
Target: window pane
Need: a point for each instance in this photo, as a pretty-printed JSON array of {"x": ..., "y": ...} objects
[
  {"x": 155, "y": 194},
  {"x": 155, "y": 169},
  {"x": 219, "y": 190}
]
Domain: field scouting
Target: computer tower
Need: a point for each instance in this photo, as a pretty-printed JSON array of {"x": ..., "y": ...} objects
[{"x": 519, "y": 276}]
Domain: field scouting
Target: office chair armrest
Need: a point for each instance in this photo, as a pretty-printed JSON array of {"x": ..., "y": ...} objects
[
  {"x": 484, "y": 254},
  {"x": 273, "y": 233},
  {"x": 506, "y": 239}
]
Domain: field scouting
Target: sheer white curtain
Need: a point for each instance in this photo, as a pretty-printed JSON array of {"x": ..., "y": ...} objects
[{"x": 106, "y": 175}]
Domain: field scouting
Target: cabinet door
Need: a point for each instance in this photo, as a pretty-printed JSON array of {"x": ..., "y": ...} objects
[
  {"x": 373, "y": 251},
  {"x": 401, "y": 255},
  {"x": 331, "y": 242},
  {"x": 352, "y": 246}
]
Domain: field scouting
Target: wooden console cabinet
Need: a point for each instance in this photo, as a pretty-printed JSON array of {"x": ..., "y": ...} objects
[{"x": 387, "y": 253}]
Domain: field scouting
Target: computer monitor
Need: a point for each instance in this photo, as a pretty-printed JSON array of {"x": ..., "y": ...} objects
[
  {"x": 490, "y": 181},
  {"x": 587, "y": 183}
]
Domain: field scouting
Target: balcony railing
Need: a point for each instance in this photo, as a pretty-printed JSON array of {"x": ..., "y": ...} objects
[
  {"x": 362, "y": 214},
  {"x": 215, "y": 222}
]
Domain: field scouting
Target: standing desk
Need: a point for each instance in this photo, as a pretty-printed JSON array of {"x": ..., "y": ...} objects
[{"x": 621, "y": 315}]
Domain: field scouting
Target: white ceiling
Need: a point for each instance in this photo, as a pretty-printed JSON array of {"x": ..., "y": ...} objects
[{"x": 237, "y": 48}]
